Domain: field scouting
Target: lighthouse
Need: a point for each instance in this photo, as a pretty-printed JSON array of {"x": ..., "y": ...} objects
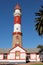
[{"x": 17, "y": 33}]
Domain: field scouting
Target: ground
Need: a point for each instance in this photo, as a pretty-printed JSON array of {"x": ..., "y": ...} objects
[
  {"x": 30, "y": 63},
  {"x": 33, "y": 63}
]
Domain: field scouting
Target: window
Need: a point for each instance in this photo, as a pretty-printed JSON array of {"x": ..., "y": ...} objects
[
  {"x": 17, "y": 37},
  {"x": 16, "y": 28},
  {"x": 17, "y": 53},
  {"x": 5, "y": 56}
]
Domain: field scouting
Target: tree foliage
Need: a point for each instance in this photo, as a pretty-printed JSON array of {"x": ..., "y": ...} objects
[
  {"x": 40, "y": 46},
  {"x": 39, "y": 21}
]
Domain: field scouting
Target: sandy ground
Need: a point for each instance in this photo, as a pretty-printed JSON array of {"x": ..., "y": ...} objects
[{"x": 30, "y": 63}]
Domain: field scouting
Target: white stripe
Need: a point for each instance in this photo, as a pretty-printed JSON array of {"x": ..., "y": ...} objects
[
  {"x": 12, "y": 60},
  {"x": 17, "y": 28}
]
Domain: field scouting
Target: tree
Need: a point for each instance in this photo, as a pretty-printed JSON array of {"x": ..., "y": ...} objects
[
  {"x": 40, "y": 46},
  {"x": 39, "y": 21}
]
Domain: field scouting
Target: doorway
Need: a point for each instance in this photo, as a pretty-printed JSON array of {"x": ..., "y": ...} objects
[{"x": 17, "y": 55}]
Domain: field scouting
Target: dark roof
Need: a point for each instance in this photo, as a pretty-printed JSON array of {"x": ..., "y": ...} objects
[
  {"x": 33, "y": 50},
  {"x": 4, "y": 50}
]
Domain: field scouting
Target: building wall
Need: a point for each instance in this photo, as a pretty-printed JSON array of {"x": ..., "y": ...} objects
[
  {"x": 23, "y": 56},
  {"x": 33, "y": 57},
  {"x": 38, "y": 58},
  {"x": 11, "y": 56},
  {"x": 1, "y": 56}
]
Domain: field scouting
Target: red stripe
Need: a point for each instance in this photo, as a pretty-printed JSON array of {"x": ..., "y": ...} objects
[
  {"x": 17, "y": 33},
  {"x": 17, "y": 19}
]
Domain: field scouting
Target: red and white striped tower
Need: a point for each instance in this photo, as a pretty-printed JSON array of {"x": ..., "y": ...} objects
[{"x": 17, "y": 34}]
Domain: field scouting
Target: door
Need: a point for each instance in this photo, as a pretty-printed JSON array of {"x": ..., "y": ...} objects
[
  {"x": 41, "y": 57},
  {"x": 17, "y": 55}
]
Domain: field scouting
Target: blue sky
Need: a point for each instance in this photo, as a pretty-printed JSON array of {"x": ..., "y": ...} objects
[{"x": 30, "y": 38}]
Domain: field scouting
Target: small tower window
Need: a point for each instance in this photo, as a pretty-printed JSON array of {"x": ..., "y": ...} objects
[
  {"x": 5, "y": 56},
  {"x": 17, "y": 37},
  {"x": 17, "y": 28}
]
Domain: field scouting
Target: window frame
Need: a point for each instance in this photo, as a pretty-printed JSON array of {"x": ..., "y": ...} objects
[{"x": 5, "y": 56}]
